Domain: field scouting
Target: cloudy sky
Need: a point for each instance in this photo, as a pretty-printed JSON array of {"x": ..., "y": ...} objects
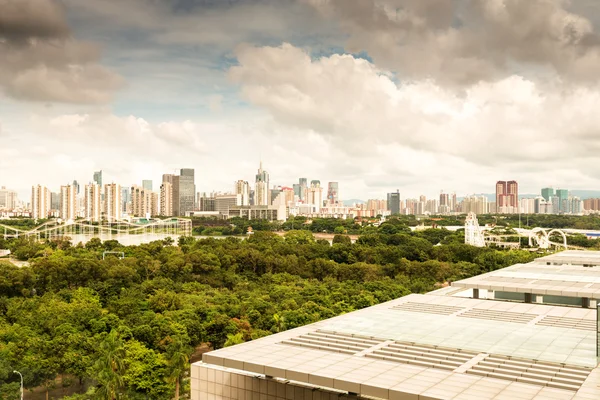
[{"x": 422, "y": 96}]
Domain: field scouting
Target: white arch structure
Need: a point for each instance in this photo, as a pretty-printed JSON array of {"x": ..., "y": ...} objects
[
  {"x": 105, "y": 230},
  {"x": 476, "y": 236}
]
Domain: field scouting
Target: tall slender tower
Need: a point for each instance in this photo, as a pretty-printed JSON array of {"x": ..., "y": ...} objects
[
  {"x": 501, "y": 200},
  {"x": 40, "y": 202},
  {"x": 243, "y": 188},
  {"x": 112, "y": 201},
  {"x": 92, "y": 202},
  {"x": 262, "y": 194},
  {"x": 68, "y": 202}
]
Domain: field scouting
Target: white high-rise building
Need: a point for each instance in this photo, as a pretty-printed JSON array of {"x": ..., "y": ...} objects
[
  {"x": 40, "y": 202},
  {"x": 8, "y": 199},
  {"x": 243, "y": 188},
  {"x": 262, "y": 193},
  {"x": 166, "y": 199},
  {"x": 92, "y": 203},
  {"x": 112, "y": 201},
  {"x": 314, "y": 196},
  {"x": 68, "y": 202},
  {"x": 144, "y": 202}
]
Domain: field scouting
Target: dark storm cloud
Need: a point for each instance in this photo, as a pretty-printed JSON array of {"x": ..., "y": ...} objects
[
  {"x": 21, "y": 20},
  {"x": 40, "y": 61}
]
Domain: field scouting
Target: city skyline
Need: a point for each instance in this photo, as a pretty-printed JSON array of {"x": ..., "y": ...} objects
[
  {"x": 137, "y": 88},
  {"x": 229, "y": 187}
]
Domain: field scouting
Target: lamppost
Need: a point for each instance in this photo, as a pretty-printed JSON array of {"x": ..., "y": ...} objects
[{"x": 17, "y": 372}]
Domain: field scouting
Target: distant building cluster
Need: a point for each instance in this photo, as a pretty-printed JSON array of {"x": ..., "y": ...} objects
[{"x": 177, "y": 196}]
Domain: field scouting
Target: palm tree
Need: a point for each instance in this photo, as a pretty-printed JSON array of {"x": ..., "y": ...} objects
[
  {"x": 178, "y": 362},
  {"x": 109, "y": 367}
]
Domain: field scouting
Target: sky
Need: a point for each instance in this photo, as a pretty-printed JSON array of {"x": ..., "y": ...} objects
[{"x": 378, "y": 95}]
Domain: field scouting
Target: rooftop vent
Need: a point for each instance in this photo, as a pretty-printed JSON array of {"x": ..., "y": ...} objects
[
  {"x": 333, "y": 341},
  {"x": 423, "y": 355},
  {"x": 566, "y": 322},
  {"x": 496, "y": 315},
  {"x": 427, "y": 308},
  {"x": 534, "y": 372}
]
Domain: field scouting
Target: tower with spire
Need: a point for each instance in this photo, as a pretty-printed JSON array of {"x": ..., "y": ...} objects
[{"x": 262, "y": 194}]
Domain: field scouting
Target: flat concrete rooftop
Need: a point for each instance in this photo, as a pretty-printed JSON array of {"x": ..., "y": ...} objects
[
  {"x": 575, "y": 257},
  {"x": 434, "y": 347},
  {"x": 556, "y": 280}
]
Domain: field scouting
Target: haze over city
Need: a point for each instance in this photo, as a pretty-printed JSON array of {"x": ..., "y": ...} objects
[{"x": 377, "y": 95}]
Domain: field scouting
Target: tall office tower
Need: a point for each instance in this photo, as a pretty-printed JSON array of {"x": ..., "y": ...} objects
[
  {"x": 393, "y": 202},
  {"x": 166, "y": 199},
  {"x": 54, "y": 201},
  {"x": 92, "y": 203},
  {"x": 297, "y": 190},
  {"x": 186, "y": 191},
  {"x": 68, "y": 203},
  {"x": 98, "y": 177},
  {"x": 563, "y": 196},
  {"x": 77, "y": 188},
  {"x": 547, "y": 193},
  {"x": 303, "y": 185},
  {"x": 147, "y": 184},
  {"x": 444, "y": 199},
  {"x": 243, "y": 188},
  {"x": 40, "y": 202},
  {"x": 144, "y": 202},
  {"x": 314, "y": 195},
  {"x": 125, "y": 198},
  {"x": 512, "y": 191},
  {"x": 8, "y": 199},
  {"x": 262, "y": 194},
  {"x": 112, "y": 202},
  {"x": 333, "y": 193},
  {"x": 501, "y": 199}
]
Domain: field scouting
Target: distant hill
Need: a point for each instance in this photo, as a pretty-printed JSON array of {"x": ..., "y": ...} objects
[{"x": 351, "y": 202}]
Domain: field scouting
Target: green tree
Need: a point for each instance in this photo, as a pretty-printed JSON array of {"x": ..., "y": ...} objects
[{"x": 109, "y": 367}]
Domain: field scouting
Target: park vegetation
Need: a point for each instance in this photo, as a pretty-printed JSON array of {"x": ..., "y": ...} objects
[{"x": 127, "y": 327}]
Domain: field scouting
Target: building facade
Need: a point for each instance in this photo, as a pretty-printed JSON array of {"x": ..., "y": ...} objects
[
  {"x": 40, "y": 202},
  {"x": 112, "y": 202},
  {"x": 68, "y": 203},
  {"x": 393, "y": 202},
  {"x": 262, "y": 194},
  {"x": 333, "y": 192},
  {"x": 92, "y": 202},
  {"x": 166, "y": 199}
]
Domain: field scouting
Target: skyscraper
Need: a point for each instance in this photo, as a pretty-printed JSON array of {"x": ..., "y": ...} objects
[
  {"x": 144, "y": 202},
  {"x": 563, "y": 196},
  {"x": 8, "y": 198},
  {"x": 262, "y": 194},
  {"x": 393, "y": 202},
  {"x": 333, "y": 192},
  {"x": 76, "y": 185},
  {"x": 112, "y": 202},
  {"x": 92, "y": 202},
  {"x": 302, "y": 186},
  {"x": 314, "y": 195},
  {"x": 68, "y": 203},
  {"x": 501, "y": 200},
  {"x": 243, "y": 188},
  {"x": 166, "y": 198},
  {"x": 507, "y": 197},
  {"x": 98, "y": 177},
  {"x": 40, "y": 202},
  {"x": 125, "y": 197},
  {"x": 147, "y": 184},
  {"x": 547, "y": 193},
  {"x": 186, "y": 189},
  {"x": 512, "y": 191}
]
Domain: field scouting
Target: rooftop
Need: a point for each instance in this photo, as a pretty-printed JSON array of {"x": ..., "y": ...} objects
[
  {"x": 537, "y": 277},
  {"x": 575, "y": 257},
  {"x": 435, "y": 346}
]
